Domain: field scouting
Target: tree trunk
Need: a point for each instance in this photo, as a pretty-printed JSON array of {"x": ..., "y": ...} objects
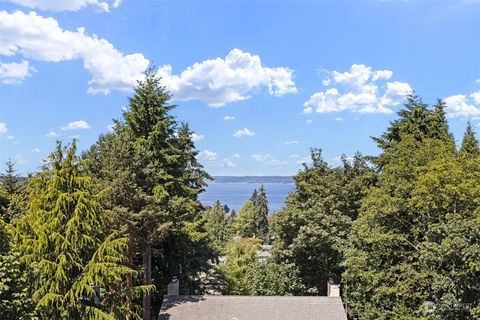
[{"x": 147, "y": 279}]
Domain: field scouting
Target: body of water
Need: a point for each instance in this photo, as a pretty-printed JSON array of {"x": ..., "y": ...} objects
[{"x": 234, "y": 195}]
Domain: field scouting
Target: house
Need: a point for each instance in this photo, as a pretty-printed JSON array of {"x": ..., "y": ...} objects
[{"x": 178, "y": 307}]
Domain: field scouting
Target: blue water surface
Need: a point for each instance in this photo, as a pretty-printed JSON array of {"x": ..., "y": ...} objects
[{"x": 235, "y": 194}]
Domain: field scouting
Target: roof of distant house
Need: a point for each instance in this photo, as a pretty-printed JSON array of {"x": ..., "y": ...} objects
[{"x": 252, "y": 308}]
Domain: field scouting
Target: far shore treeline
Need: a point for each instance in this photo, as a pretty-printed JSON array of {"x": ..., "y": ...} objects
[{"x": 98, "y": 234}]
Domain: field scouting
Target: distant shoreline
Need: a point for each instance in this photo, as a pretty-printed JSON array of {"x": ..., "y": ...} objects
[{"x": 253, "y": 179}]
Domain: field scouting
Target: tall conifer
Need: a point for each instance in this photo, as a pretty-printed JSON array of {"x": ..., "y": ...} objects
[
  {"x": 62, "y": 237},
  {"x": 469, "y": 143}
]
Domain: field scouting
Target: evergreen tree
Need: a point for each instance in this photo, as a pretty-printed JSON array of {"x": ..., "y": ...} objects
[
  {"x": 15, "y": 302},
  {"x": 311, "y": 230},
  {"x": 148, "y": 163},
  {"x": 245, "y": 221},
  {"x": 469, "y": 143},
  {"x": 218, "y": 227},
  {"x": 62, "y": 237},
  {"x": 400, "y": 255},
  {"x": 10, "y": 178},
  {"x": 415, "y": 122},
  {"x": 261, "y": 213}
]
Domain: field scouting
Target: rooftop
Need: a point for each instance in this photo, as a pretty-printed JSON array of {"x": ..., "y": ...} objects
[{"x": 252, "y": 308}]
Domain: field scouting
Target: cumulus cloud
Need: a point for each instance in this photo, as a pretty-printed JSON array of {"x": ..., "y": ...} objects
[
  {"x": 207, "y": 156},
  {"x": 462, "y": 106},
  {"x": 308, "y": 121},
  {"x": 66, "y": 5},
  {"x": 229, "y": 163},
  {"x": 51, "y": 134},
  {"x": 226, "y": 118},
  {"x": 358, "y": 90},
  {"x": 220, "y": 81},
  {"x": 291, "y": 142},
  {"x": 35, "y": 150},
  {"x": 338, "y": 119},
  {"x": 245, "y": 132},
  {"x": 236, "y": 156},
  {"x": 3, "y": 128},
  {"x": 76, "y": 125},
  {"x": 196, "y": 137},
  {"x": 35, "y": 37},
  {"x": 476, "y": 97},
  {"x": 13, "y": 73}
]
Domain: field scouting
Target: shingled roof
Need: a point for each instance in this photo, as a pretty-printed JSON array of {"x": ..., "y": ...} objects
[{"x": 251, "y": 308}]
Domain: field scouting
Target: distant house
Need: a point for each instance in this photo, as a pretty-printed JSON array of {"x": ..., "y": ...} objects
[{"x": 178, "y": 307}]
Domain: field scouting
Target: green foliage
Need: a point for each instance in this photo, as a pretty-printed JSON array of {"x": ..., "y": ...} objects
[
  {"x": 240, "y": 254},
  {"x": 10, "y": 178},
  {"x": 149, "y": 169},
  {"x": 311, "y": 231},
  {"x": 245, "y": 221},
  {"x": 260, "y": 203},
  {"x": 414, "y": 251},
  {"x": 61, "y": 238},
  {"x": 470, "y": 145},
  {"x": 15, "y": 302},
  {"x": 252, "y": 220},
  {"x": 218, "y": 226}
]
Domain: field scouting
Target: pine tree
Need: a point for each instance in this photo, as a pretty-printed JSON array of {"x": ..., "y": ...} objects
[
  {"x": 261, "y": 213},
  {"x": 245, "y": 220},
  {"x": 62, "y": 237},
  {"x": 469, "y": 145},
  {"x": 218, "y": 227},
  {"x": 415, "y": 122},
  {"x": 149, "y": 166},
  {"x": 10, "y": 178},
  {"x": 387, "y": 273}
]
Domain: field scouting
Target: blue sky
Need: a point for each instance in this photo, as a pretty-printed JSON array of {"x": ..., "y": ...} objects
[{"x": 259, "y": 82}]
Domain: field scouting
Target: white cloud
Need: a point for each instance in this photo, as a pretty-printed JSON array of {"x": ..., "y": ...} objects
[
  {"x": 14, "y": 73},
  {"x": 292, "y": 142},
  {"x": 338, "y": 119},
  {"x": 51, "y": 134},
  {"x": 382, "y": 74},
  {"x": 76, "y": 125},
  {"x": 236, "y": 156},
  {"x": 39, "y": 38},
  {"x": 245, "y": 132},
  {"x": 35, "y": 150},
  {"x": 261, "y": 157},
  {"x": 197, "y": 137},
  {"x": 294, "y": 155},
  {"x": 117, "y": 3},
  {"x": 305, "y": 160},
  {"x": 358, "y": 90},
  {"x": 3, "y": 128},
  {"x": 19, "y": 159},
  {"x": 66, "y": 5},
  {"x": 266, "y": 158},
  {"x": 226, "y": 118},
  {"x": 229, "y": 163},
  {"x": 224, "y": 80},
  {"x": 308, "y": 121},
  {"x": 476, "y": 97},
  {"x": 10, "y": 137},
  {"x": 459, "y": 106},
  {"x": 208, "y": 156}
]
